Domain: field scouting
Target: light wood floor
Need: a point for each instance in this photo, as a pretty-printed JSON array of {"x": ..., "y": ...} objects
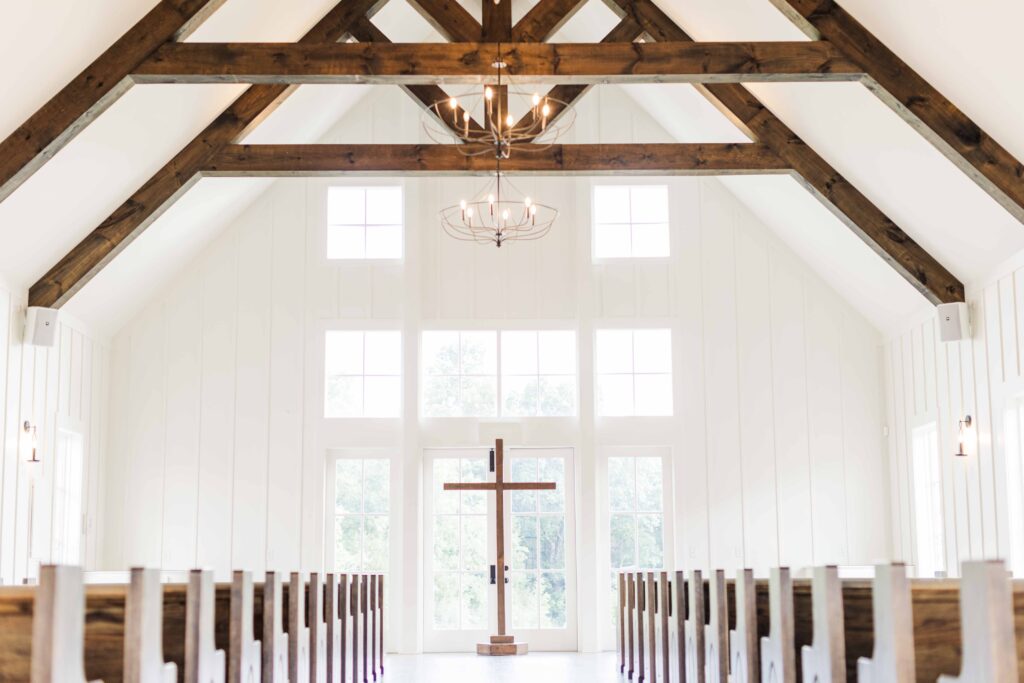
[{"x": 538, "y": 667}]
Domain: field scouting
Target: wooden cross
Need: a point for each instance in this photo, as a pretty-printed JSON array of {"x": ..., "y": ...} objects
[{"x": 501, "y": 644}]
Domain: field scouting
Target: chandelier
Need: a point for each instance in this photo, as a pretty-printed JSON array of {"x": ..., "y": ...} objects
[
  {"x": 508, "y": 113},
  {"x": 499, "y": 213}
]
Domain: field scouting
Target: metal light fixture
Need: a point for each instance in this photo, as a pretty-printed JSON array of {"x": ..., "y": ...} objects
[
  {"x": 31, "y": 429},
  {"x": 510, "y": 117},
  {"x": 963, "y": 427},
  {"x": 499, "y": 213}
]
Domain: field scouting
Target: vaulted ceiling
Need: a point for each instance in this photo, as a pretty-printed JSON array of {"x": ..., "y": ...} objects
[{"x": 964, "y": 50}]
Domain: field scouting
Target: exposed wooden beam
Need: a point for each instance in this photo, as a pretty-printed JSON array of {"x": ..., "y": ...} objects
[
  {"x": 880, "y": 233},
  {"x": 426, "y": 96},
  {"x": 89, "y": 94},
  {"x": 333, "y": 160},
  {"x": 497, "y": 21},
  {"x": 170, "y": 182},
  {"x": 626, "y": 31},
  {"x": 431, "y": 63},
  {"x": 544, "y": 19},
  {"x": 450, "y": 19},
  {"x": 962, "y": 140}
]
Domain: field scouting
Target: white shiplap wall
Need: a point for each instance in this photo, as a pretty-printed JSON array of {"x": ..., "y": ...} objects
[
  {"x": 217, "y": 458},
  {"x": 928, "y": 381},
  {"x": 62, "y": 387}
]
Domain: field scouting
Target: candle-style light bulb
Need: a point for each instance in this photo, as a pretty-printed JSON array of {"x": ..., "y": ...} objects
[
  {"x": 504, "y": 215},
  {"x": 488, "y": 93},
  {"x": 509, "y": 120},
  {"x": 454, "y": 103},
  {"x": 527, "y": 202},
  {"x": 536, "y": 99},
  {"x": 465, "y": 123}
]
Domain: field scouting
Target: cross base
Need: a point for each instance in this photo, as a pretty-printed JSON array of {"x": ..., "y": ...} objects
[{"x": 501, "y": 646}]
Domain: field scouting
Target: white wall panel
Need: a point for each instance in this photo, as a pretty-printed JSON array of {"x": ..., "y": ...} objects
[
  {"x": 979, "y": 376},
  {"x": 61, "y": 387}
]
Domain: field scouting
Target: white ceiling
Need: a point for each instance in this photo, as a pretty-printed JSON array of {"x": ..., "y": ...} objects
[{"x": 967, "y": 50}]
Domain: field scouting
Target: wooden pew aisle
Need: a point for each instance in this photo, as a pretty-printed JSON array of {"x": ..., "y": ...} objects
[
  {"x": 145, "y": 631},
  {"x": 892, "y": 629}
]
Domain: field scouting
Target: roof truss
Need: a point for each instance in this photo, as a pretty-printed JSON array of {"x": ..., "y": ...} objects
[{"x": 840, "y": 49}]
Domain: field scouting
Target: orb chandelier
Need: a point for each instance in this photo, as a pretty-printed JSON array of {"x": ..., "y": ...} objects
[
  {"x": 499, "y": 213},
  {"x": 509, "y": 116}
]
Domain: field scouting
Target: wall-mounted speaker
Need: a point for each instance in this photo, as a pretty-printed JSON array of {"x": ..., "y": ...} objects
[
  {"x": 41, "y": 326},
  {"x": 954, "y": 322}
]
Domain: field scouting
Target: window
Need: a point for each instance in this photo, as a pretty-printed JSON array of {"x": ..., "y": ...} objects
[
  {"x": 364, "y": 222},
  {"x": 460, "y": 374},
  {"x": 1015, "y": 483},
  {"x": 67, "y": 498},
  {"x": 634, "y": 372},
  {"x": 538, "y": 373},
  {"x": 363, "y": 374},
  {"x": 636, "y": 519},
  {"x": 928, "y": 516},
  {"x": 460, "y": 546},
  {"x": 537, "y": 558},
  {"x": 361, "y": 506},
  {"x": 631, "y": 221}
]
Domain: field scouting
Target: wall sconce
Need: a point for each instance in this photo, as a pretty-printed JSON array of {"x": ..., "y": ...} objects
[
  {"x": 30, "y": 429},
  {"x": 964, "y": 427}
]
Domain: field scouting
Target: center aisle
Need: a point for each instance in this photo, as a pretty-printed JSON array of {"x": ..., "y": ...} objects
[{"x": 540, "y": 667}]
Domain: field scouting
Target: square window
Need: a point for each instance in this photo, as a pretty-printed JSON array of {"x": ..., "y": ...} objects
[
  {"x": 538, "y": 373},
  {"x": 362, "y": 374},
  {"x": 365, "y": 222},
  {"x": 634, "y": 372},
  {"x": 631, "y": 221},
  {"x": 460, "y": 374}
]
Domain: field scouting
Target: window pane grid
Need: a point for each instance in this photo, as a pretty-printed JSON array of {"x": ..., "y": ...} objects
[
  {"x": 351, "y": 391},
  {"x": 361, "y": 525},
  {"x": 460, "y": 530},
  {"x": 364, "y": 222},
  {"x": 622, "y": 216},
  {"x": 537, "y": 563},
  {"x": 634, "y": 372},
  {"x": 636, "y": 521}
]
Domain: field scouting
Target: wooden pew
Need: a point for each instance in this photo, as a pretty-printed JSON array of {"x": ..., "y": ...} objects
[
  {"x": 932, "y": 626},
  {"x": 143, "y": 644},
  {"x": 121, "y": 635}
]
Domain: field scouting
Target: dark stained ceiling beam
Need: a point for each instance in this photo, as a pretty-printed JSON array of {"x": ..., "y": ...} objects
[
  {"x": 432, "y": 63},
  {"x": 626, "y": 31},
  {"x": 425, "y": 95},
  {"x": 449, "y": 19},
  {"x": 962, "y": 140},
  {"x": 857, "y": 212},
  {"x": 497, "y": 21},
  {"x": 583, "y": 159},
  {"x": 544, "y": 19},
  {"x": 91, "y": 92},
  {"x": 158, "y": 193}
]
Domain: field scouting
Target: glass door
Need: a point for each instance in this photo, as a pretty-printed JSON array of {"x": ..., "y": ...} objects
[
  {"x": 458, "y": 549},
  {"x": 541, "y": 553}
]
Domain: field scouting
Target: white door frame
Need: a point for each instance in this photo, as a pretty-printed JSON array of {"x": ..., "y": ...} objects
[
  {"x": 553, "y": 640},
  {"x": 455, "y": 640}
]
